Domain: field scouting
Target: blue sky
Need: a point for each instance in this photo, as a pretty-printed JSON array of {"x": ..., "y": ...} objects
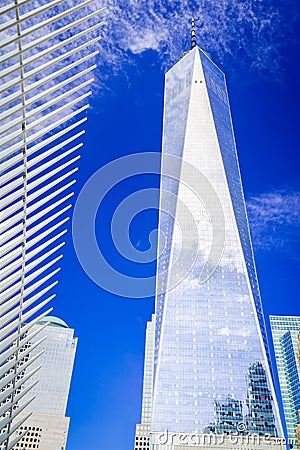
[{"x": 256, "y": 43}]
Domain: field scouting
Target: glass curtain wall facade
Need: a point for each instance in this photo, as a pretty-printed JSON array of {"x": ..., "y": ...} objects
[
  {"x": 211, "y": 360},
  {"x": 142, "y": 430},
  {"x": 47, "y": 428},
  {"x": 285, "y": 331}
]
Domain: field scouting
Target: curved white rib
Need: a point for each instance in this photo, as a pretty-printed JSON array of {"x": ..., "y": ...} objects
[{"x": 39, "y": 109}]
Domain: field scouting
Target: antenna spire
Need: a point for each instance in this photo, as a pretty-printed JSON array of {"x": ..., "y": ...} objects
[{"x": 193, "y": 35}]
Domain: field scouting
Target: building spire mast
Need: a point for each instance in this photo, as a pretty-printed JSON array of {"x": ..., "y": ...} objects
[{"x": 193, "y": 35}]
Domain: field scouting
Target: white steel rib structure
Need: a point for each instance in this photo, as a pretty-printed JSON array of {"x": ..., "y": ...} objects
[{"x": 46, "y": 48}]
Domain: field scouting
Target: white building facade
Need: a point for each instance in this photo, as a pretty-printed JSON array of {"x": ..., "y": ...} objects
[
  {"x": 143, "y": 429},
  {"x": 45, "y": 70},
  {"x": 47, "y": 428}
]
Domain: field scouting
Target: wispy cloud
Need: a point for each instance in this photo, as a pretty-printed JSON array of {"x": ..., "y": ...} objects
[
  {"x": 252, "y": 32},
  {"x": 275, "y": 221}
]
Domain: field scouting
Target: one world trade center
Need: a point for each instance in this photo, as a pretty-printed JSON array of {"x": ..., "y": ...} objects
[{"x": 208, "y": 380}]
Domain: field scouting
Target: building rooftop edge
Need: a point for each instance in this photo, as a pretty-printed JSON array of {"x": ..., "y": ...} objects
[{"x": 54, "y": 321}]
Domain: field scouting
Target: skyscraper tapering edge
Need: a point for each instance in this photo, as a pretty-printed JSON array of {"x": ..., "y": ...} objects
[{"x": 212, "y": 373}]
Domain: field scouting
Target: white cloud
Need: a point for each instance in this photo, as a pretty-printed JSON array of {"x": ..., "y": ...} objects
[
  {"x": 254, "y": 32},
  {"x": 139, "y": 41},
  {"x": 275, "y": 220}
]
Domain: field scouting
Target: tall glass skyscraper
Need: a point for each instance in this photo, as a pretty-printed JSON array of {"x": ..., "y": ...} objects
[
  {"x": 285, "y": 330},
  {"x": 47, "y": 427},
  {"x": 143, "y": 429},
  {"x": 211, "y": 364}
]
